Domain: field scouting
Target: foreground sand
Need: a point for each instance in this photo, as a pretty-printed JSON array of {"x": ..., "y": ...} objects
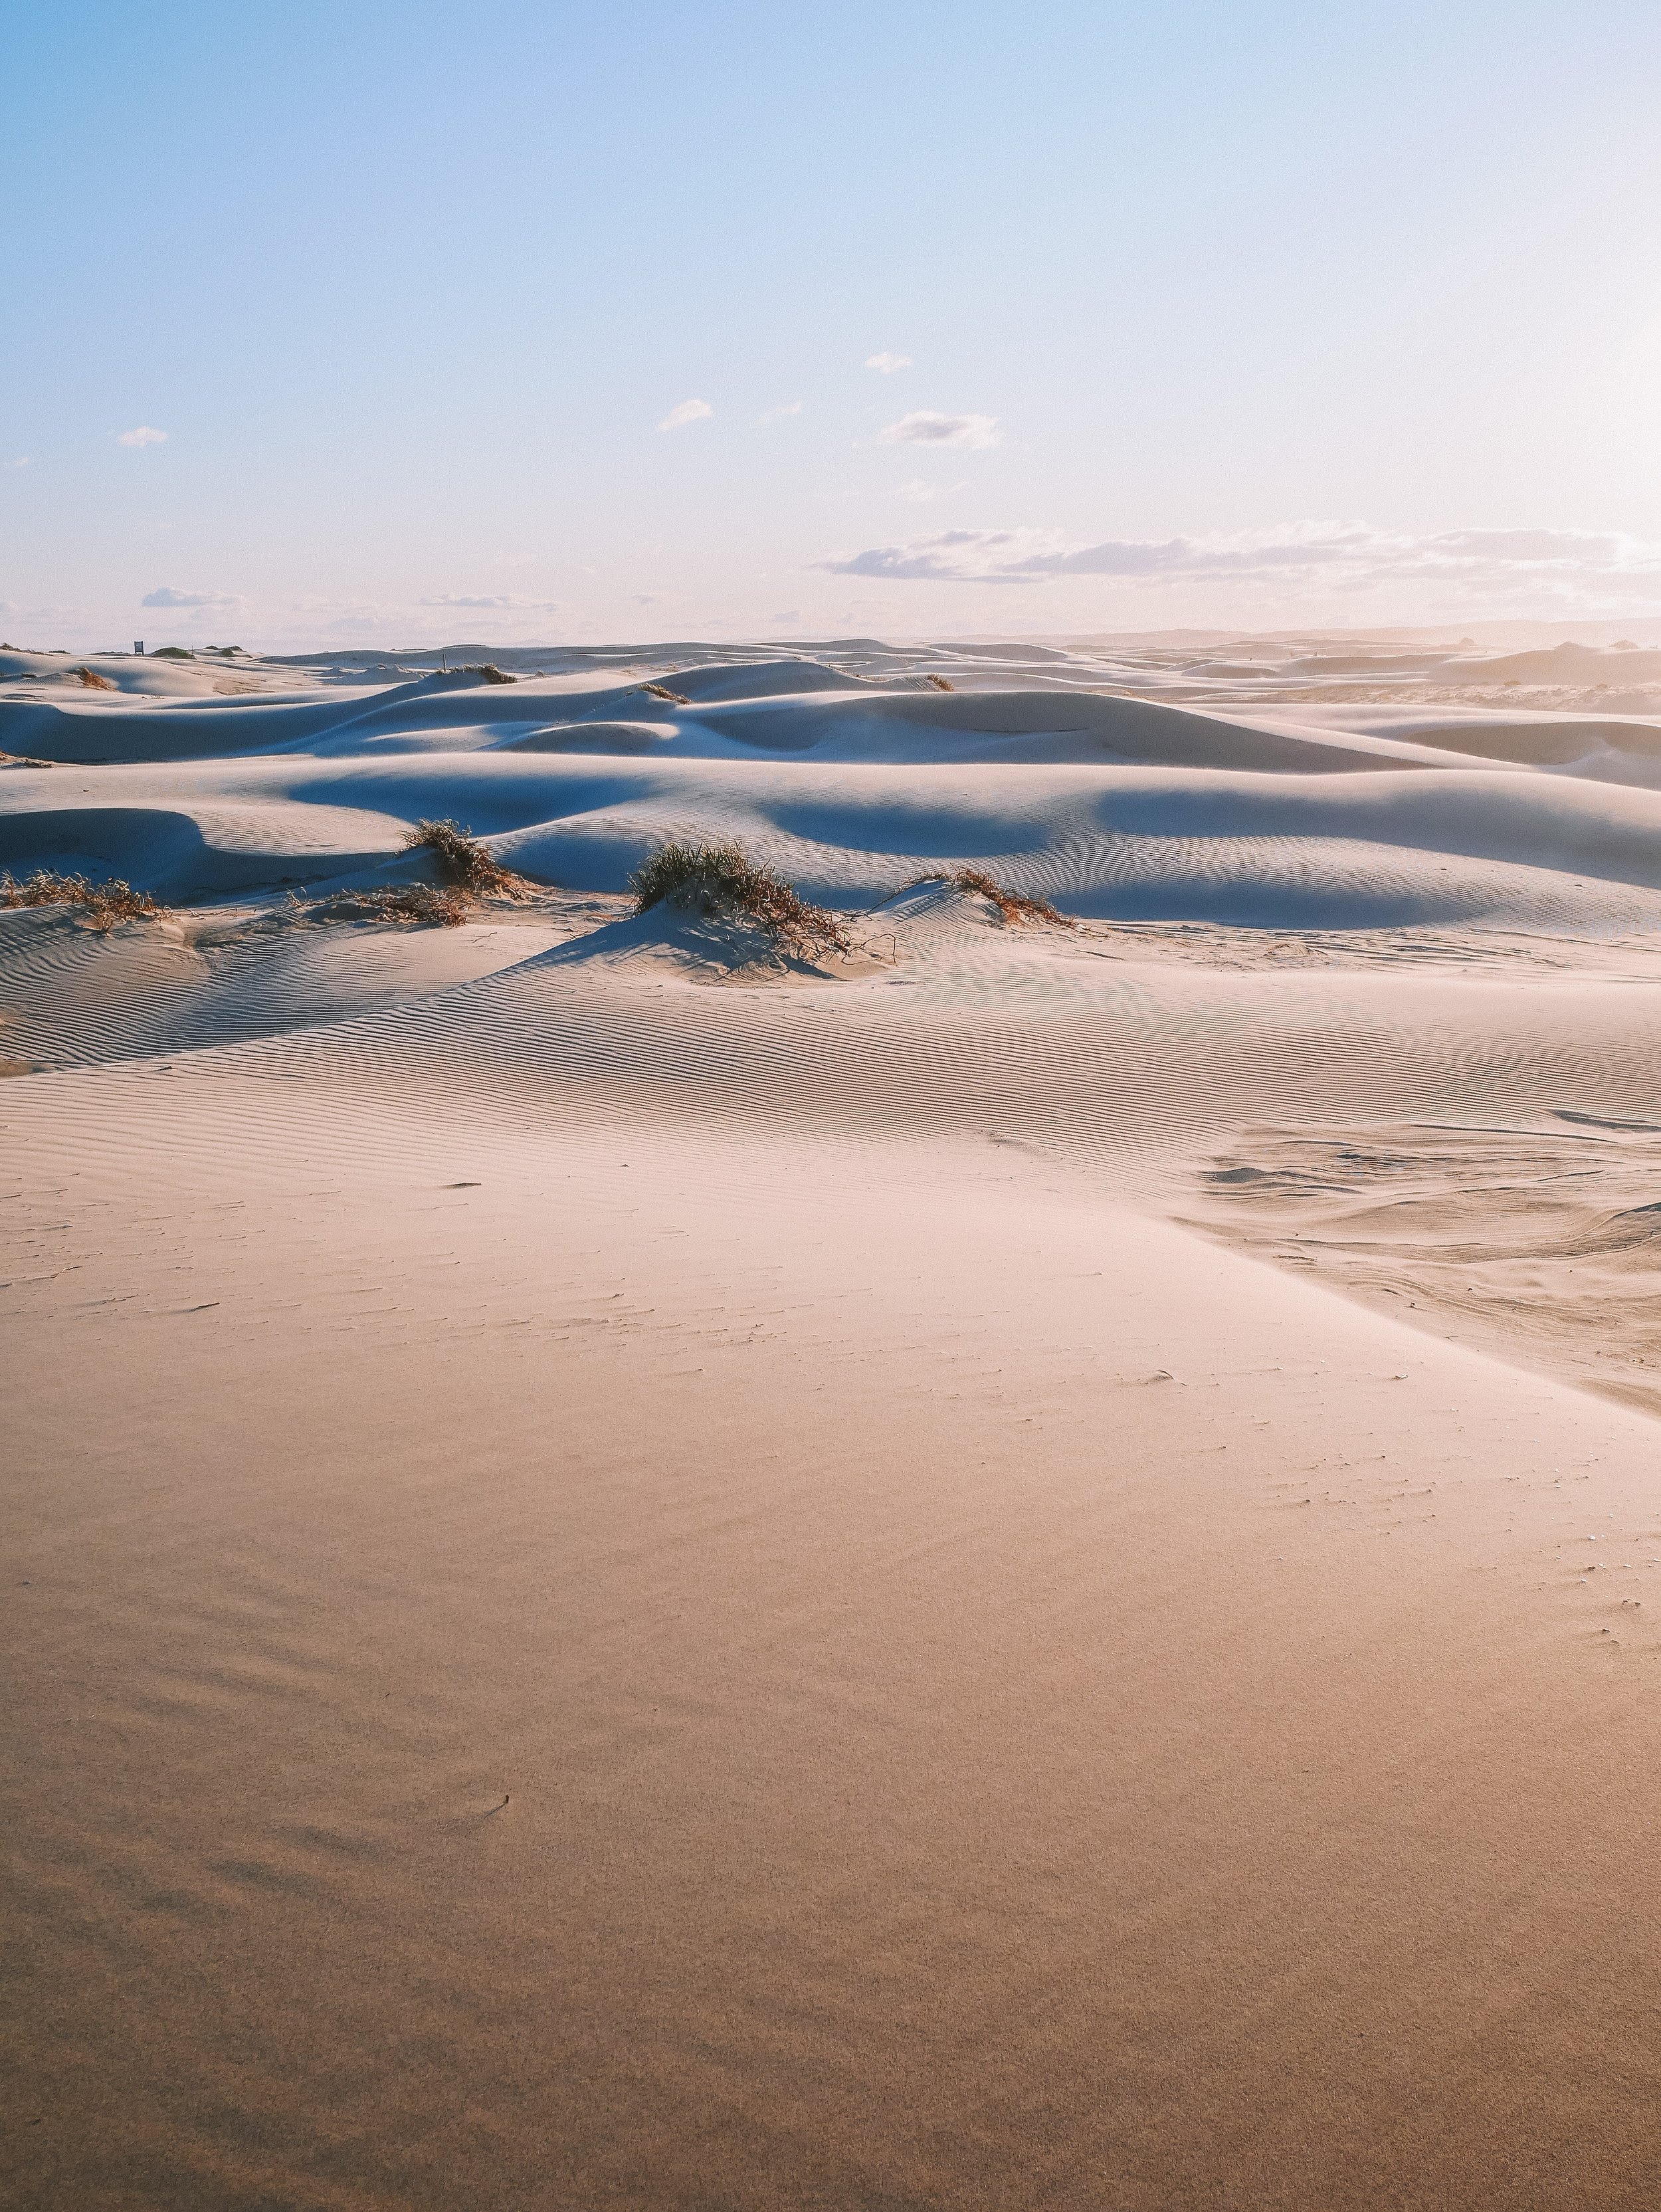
[{"x": 643, "y": 1584}]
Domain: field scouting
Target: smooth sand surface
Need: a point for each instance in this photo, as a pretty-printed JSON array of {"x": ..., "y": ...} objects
[{"x": 1011, "y": 1573}]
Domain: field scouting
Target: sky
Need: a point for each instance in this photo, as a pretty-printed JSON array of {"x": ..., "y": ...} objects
[{"x": 534, "y": 322}]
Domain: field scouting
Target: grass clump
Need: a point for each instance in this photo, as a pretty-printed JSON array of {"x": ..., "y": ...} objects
[
  {"x": 941, "y": 682},
  {"x": 1012, "y": 906},
  {"x": 104, "y": 904},
  {"x": 663, "y": 691},
  {"x": 173, "y": 653},
  {"x": 462, "y": 862},
  {"x": 722, "y": 880},
  {"x": 487, "y": 671},
  {"x": 93, "y": 680},
  {"x": 433, "y": 906}
]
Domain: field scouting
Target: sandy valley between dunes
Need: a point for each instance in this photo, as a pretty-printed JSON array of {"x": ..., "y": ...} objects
[{"x": 1026, "y": 1573}]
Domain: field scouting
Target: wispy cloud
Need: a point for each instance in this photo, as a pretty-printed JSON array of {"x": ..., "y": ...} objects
[
  {"x": 22, "y": 462},
  {"x": 917, "y": 493},
  {"x": 165, "y": 596},
  {"x": 143, "y": 435},
  {"x": 689, "y": 411},
  {"x": 777, "y": 414},
  {"x": 492, "y": 601},
  {"x": 923, "y": 427},
  {"x": 1504, "y": 566},
  {"x": 887, "y": 363}
]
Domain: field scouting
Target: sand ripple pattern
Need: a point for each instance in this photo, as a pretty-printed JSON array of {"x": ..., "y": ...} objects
[{"x": 1541, "y": 1245}]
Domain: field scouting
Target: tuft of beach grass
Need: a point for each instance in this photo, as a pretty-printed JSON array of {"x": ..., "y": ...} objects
[{"x": 722, "y": 880}]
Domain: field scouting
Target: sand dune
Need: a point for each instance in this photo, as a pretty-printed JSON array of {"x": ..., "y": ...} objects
[
  {"x": 1007, "y": 1571},
  {"x": 1114, "y": 805}
]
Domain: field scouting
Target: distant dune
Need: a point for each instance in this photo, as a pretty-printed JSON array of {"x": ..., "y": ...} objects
[{"x": 1267, "y": 798}]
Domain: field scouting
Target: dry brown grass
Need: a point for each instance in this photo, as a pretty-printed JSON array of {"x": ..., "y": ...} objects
[
  {"x": 462, "y": 862},
  {"x": 663, "y": 691},
  {"x": 93, "y": 681},
  {"x": 722, "y": 880},
  {"x": 941, "y": 682},
  {"x": 1012, "y": 906},
  {"x": 429, "y": 905},
  {"x": 104, "y": 904},
  {"x": 487, "y": 671}
]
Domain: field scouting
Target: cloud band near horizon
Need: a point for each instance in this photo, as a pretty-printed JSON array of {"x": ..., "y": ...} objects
[{"x": 1347, "y": 556}]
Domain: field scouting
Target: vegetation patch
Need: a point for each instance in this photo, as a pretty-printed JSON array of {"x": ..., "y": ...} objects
[
  {"x": 173, "y": 653},
  {"x": 462, "y": 862},
  {"x": 1012, "y": 906},
  {"x": 663, "y": 691},
  {"x": 104, "y": 904},
  {"x": 722, "y": 880},
  {"x": 941, "y": 682},
  {"x": 431, "y": 905},
  {"x": 487, "y": 671},
  {"x": 93, "y": 680}
]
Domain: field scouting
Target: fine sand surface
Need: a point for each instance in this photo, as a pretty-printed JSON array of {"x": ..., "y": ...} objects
[{"x": 1010, "y": 1571}]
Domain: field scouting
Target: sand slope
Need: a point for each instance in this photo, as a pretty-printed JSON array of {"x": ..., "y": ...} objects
[{"x": 1010, "y": 1573}]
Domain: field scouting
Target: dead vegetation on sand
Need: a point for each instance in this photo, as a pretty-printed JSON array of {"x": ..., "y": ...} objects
[
  {"x": 92, "y": 680},
  {"x": 663, "y": 691},
  {"x": 1012, "y": 905},
  {"x": 104, "y": 904},
  {"x": 722, "y": 880},
  {"x": 466, "y": 873},
  {"x": 432, "y": 906},
  {"x": 487, "y": 671},
  {"x": 462, "y": 862}
]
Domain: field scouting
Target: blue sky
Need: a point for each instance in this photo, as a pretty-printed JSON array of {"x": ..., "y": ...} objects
[{"x": 360, "y": 323}]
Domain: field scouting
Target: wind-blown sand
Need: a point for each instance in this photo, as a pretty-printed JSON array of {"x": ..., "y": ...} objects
[{"x": 1011, "y": 1573}]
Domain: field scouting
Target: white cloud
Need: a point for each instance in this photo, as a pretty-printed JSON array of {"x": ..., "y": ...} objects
[
  {"x": 499, "y": 600},
  {"x": 923, "y": 427},
  {"x": 689, "y": 411},
  {"x": 22, "y": 462},
  {"x": 886, "y": 363},
  {"x": 165, "y": 596},
  {"x": 777, "y": 414},
  {"x": 1569, "y": 566},
  {"x": 143, "y": 435}
]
